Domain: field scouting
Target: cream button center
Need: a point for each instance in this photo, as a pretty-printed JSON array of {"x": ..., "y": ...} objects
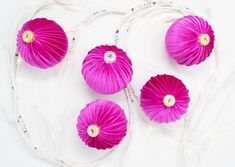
[
  {"x": 28, "y": 36},
  {"x": 169, "y": 100},
  {"x": 204, "y": 39},
  {"x": 93, "y": 130}
]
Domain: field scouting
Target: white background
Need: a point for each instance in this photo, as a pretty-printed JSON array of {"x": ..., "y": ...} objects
[{"x": 13, "y": 150}]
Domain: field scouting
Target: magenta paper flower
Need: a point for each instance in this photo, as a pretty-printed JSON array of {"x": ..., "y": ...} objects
[
  {"x": 164, "y": 98},
  {"x": 102, "y": 124},
  {"x": 190, "y": 40},
  {"x": 107, "y": 69},
  {"x": 42, "y": 43}
]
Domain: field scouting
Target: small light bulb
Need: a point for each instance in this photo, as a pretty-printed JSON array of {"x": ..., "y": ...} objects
[
  {"x": 110, "y": 57},
  {"x": 169, "y": 100},
  {"x": 18, "y": 60},
  {"x": 93, "y": 130},
  {"x": 204, "y": 39},
  {"x": 28, "y": 36}
]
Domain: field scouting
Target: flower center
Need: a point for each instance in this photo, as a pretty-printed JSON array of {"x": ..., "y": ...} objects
[
  {"x": 93, "y": 130},
  {"x": 28, "y": 36},
  {"x": 110, "y": 57},
  {"x": 204, "y": 39},
  {"x": 169, "y": 100}
]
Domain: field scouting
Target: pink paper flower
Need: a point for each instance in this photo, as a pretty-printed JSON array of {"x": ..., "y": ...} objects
[
  {"x": 164, "y": 98},
  {"x": 102, "y": 124},
  {"x": 42, "y": 43},
  {"x": 190, "y": 40},
  {"x": 107, "y": 69}
]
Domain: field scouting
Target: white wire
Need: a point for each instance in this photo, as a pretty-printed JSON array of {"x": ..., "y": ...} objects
[
  {"x": 123, "y": 29},
  {"x": 125, "y": 25},
  {"x": 34, "y": 10}
]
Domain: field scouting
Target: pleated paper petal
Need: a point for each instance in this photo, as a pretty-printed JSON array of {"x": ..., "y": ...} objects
[
  {"x": 107, "y": 69},
  {"x": 190, "y": 40},
  {"x": 102, "y": 124},
  {"x": 164, "y": 98},
  {"x": 42, "y": 43}
]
